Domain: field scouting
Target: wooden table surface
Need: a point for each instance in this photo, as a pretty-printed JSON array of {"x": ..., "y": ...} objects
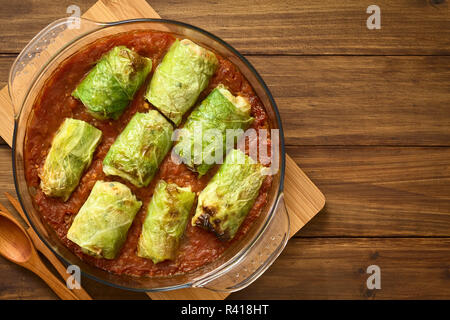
[{"x": 366, "y": 115}]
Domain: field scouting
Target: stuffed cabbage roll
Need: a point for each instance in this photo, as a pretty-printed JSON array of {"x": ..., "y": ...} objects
[
  {"x": 100, "y": 228},
  {"x": 70, "y": 154},
  {"x": 182, "y": 75},
  {"x": 164, "y": 225},
  {"x": 229, "y": 196},
  {"x": 138, "y": 151},
  {"x": 109, "y": 87},
  {"x": 220, "y": 111}
]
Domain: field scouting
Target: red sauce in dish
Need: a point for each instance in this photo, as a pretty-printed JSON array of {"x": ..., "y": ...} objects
[{"x": 55, "y": 103}]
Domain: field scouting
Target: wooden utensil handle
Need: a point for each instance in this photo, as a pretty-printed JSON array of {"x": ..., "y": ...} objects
[
  {"x": 60, "y": 268},
  {"x": 42, "y": 248},
  {"x": 54, "y": 283}
]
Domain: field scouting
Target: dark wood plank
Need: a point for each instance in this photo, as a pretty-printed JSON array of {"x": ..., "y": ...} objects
[
  {"x": 21, "y": 20},
  {"x": 336, "y": 269},
  {"x": 275, "y": 27},
  {"x": 340, "y": 100},
  {"x": 318, "y": 27},
  {"x": 308, "y": 269},
  {"x": 370, "y": 191},
  {"x": 19, "y": 283},
  {"x": 6, "y": 61},
  {"x": 343, "y": 100},
  {"x": 378, "y": 191},
  {"x": 324, "y": 100}
]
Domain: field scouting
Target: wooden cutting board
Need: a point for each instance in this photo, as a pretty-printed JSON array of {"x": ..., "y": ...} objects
[{"x": 303, "y": 199}]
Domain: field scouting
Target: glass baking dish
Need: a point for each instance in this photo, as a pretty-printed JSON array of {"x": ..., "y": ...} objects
[{"x": 242, "y": 263}]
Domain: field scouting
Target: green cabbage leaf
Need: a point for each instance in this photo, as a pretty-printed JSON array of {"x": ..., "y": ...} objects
[
  {"x": 70, "y": 154},
  {"x": 180, "y": 78},
  {"x": 166, "y": 220},
  {"x": 226, "y": 200},
  {"x": 100, "y": 228},
  {"x": 140, "y": 148},
  {"x": 219, "y": 112},
  {"x": 110, "y": 86}
]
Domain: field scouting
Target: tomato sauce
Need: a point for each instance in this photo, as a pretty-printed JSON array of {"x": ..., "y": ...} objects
[{"x": 55, "y": 103}]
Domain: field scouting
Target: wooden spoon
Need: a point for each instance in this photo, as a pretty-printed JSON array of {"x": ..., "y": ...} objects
[
  {"x": 42, "y": 248},
  {"x": 16, "y": 246}
]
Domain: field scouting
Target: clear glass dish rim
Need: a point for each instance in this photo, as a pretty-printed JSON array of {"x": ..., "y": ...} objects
[{"x": 269, "y": 217}]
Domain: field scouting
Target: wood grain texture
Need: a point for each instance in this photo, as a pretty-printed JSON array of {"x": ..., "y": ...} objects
[
  {"x": 382, "y": 191},
  {"x": 16, "y": 246},
  {"x": 297, "y": 186},
  {"x": 21, "y": 20},
  {"x": 335, "y": 100},
  {"x": 272, "y": 27},
  {"x": 6, "y": 117},
  {"x": 6, "y": 62},
  {"x": 319, "y": 27},
  {"x": 60, "y": 268},
  {"x": 19, "y": 283},
  {"x": 6, "y": 178},
  {"x": 369, "y": 194},
  {"x": 336, "y": 269},
  {"x": 347, "y": 121},
  {"x": 361, "y": 100},
  {"x": 379, "y": 191},
  {"x": 308, "y": 269}
]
